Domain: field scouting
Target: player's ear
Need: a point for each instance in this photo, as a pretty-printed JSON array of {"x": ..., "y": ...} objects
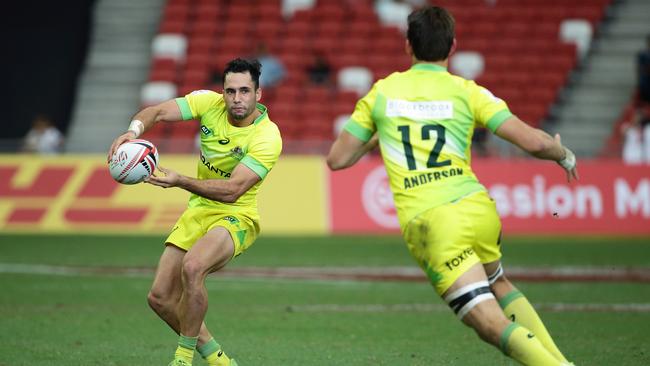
[
  {"x": 407, "y": 48},
  {"x": 454, "y": 45},
  {"x": 258, "y": 94}
]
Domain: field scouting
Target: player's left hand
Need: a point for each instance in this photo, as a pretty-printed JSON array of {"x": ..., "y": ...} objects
[
  {"x": 169, "y": 179},
  {"x": 569, "y": 163}
]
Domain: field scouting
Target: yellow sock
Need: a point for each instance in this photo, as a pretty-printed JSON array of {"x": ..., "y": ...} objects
[
  {"x": 218, "y": 359},
  {"x": 212, "y": 353},
  {"x": 520, "y": 344},
  {"x": 185, "y": 349},
  {"x": 518, "y": 309}
]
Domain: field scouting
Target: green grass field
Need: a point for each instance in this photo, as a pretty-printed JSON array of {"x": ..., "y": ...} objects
[{"x": 72, "y": 318}]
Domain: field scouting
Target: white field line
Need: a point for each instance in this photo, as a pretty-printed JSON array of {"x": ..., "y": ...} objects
[
  {"x": 364, "y": 274},
  {"x": 403, "y": 274},
  {"x": 426, "y": 308}
]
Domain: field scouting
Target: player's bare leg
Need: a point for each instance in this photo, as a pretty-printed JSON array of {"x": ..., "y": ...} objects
[
  {"x": 517, "y": 308},
  {"x": 470, "y": 297},
  {"x": 208, "y": 254},
  {"x": 166, "y": 290}
]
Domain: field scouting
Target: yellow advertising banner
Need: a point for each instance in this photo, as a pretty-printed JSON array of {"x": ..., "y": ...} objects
[{"x": 75, "y": 193}]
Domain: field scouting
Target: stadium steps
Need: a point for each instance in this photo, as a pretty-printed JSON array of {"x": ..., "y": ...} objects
[
  {"x": 603, "y": 85},
  {"x": 117, "y": 65}
]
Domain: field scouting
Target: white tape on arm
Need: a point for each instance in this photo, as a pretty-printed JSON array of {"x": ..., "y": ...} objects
[
  {"x": 569, "y": 161},
  {"x": 137, "y": 127}
]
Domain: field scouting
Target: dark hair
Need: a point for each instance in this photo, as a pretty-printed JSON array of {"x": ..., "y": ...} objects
[
  {"x": 431, "y": 33},
  {"x": 241, "y": 65}
]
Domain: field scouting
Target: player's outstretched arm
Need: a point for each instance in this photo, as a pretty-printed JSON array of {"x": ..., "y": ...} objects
[
  {"x": 538, "y": 144},
  {"x": 166, "y": 112},
  {"x": 222, "y": 190},
  {"x": 347, "y": 150}
]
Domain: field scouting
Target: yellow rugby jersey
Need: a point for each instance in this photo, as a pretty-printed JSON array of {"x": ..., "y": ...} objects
[
  {"x": 224, "y": 146},
  {"x": 425, "y": 118}
]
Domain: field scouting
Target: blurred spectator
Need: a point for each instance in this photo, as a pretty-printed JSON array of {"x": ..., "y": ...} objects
[
  {"x": 643, "y": 63},
  {"x": 636, "y": 138},
  {"x": 319, "y": 71},
  {"x": 273, "y": 70},
  {"x": 43, "y": 137}
]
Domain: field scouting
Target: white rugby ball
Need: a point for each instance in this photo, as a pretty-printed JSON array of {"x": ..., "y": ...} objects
[{"x": 134, "y": 161}]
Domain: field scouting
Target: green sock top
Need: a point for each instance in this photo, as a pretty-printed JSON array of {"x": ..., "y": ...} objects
[
  {"x": 188, "y": 342},
  {"x": 208, "y": 348}
]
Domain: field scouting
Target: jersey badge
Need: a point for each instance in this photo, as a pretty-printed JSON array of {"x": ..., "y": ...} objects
[{"x": 237, "y": 153}]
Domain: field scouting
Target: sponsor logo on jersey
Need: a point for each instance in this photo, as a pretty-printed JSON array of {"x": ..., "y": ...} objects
[
  {"x": 443, "y": 109},
  {"x": 213, "y": 168},
  {"x": 224, "y": 141},
  {"x": 206, "y": 131}
]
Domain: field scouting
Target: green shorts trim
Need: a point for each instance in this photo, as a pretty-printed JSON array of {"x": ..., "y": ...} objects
[{"x": 195, "y": 222}]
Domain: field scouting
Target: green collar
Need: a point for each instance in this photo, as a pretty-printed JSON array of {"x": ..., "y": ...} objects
[
  {"x": 428, "y": 67},
  {"x": 262, "y": 108}
]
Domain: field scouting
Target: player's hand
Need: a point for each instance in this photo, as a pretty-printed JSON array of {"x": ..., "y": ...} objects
[
  {"x": 569, "y": 163},
  {"x": 169, "y": 179},
  {"x": 126, "y": 136}
]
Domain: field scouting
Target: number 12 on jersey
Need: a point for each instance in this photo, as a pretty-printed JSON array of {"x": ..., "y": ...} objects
[{"x": 432, "y": 162}]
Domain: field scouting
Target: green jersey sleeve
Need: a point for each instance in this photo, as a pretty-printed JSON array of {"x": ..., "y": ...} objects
[
  {"x": 195, "y": 104},
  {"x": 264, "y": 151},
  {"x": 360, "y": 123}
]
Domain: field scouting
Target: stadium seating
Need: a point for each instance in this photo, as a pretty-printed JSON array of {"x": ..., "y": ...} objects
[{"x": 525, "y": 61}]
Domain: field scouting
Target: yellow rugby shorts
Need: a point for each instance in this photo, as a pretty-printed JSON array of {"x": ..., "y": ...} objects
[
  {"x": 447, "y": 240},
  {"x": 197, "y": 221}
]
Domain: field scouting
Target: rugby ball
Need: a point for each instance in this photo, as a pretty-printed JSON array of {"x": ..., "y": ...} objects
[{"x": 134, "y": 161}]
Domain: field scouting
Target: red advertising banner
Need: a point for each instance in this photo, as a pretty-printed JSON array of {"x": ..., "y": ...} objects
[{"x": 532, "y": 197}]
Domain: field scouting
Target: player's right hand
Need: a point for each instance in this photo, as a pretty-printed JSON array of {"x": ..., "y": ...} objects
[
  {"x": 569, "y": 163},
  {"x": 126, "y": 136}
]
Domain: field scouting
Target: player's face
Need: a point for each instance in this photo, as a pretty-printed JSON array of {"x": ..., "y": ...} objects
[{"x": 240, "y": 95}]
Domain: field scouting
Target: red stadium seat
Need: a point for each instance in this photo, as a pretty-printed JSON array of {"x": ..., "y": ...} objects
[
  {"x": 363, "y": 28},
  {"x": 267, "y": 11},
  {"x": 172, "y": 26},
  {"x": 176, "y": 12},
  {"x": 328, "y": 29},
  {"x": 163, "y": 70},
  {"x": 195, "y": 77},
  {"x": 298, "y": 28},
  {"x": 329, "y": 11},
  {"x": 354, "y": 46},
  {"x": 207, "y": 12},
  {"x": 204, "y": 29},
  {"x": 294, "y": 45},
  {"x": 268, "y": 29}
]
